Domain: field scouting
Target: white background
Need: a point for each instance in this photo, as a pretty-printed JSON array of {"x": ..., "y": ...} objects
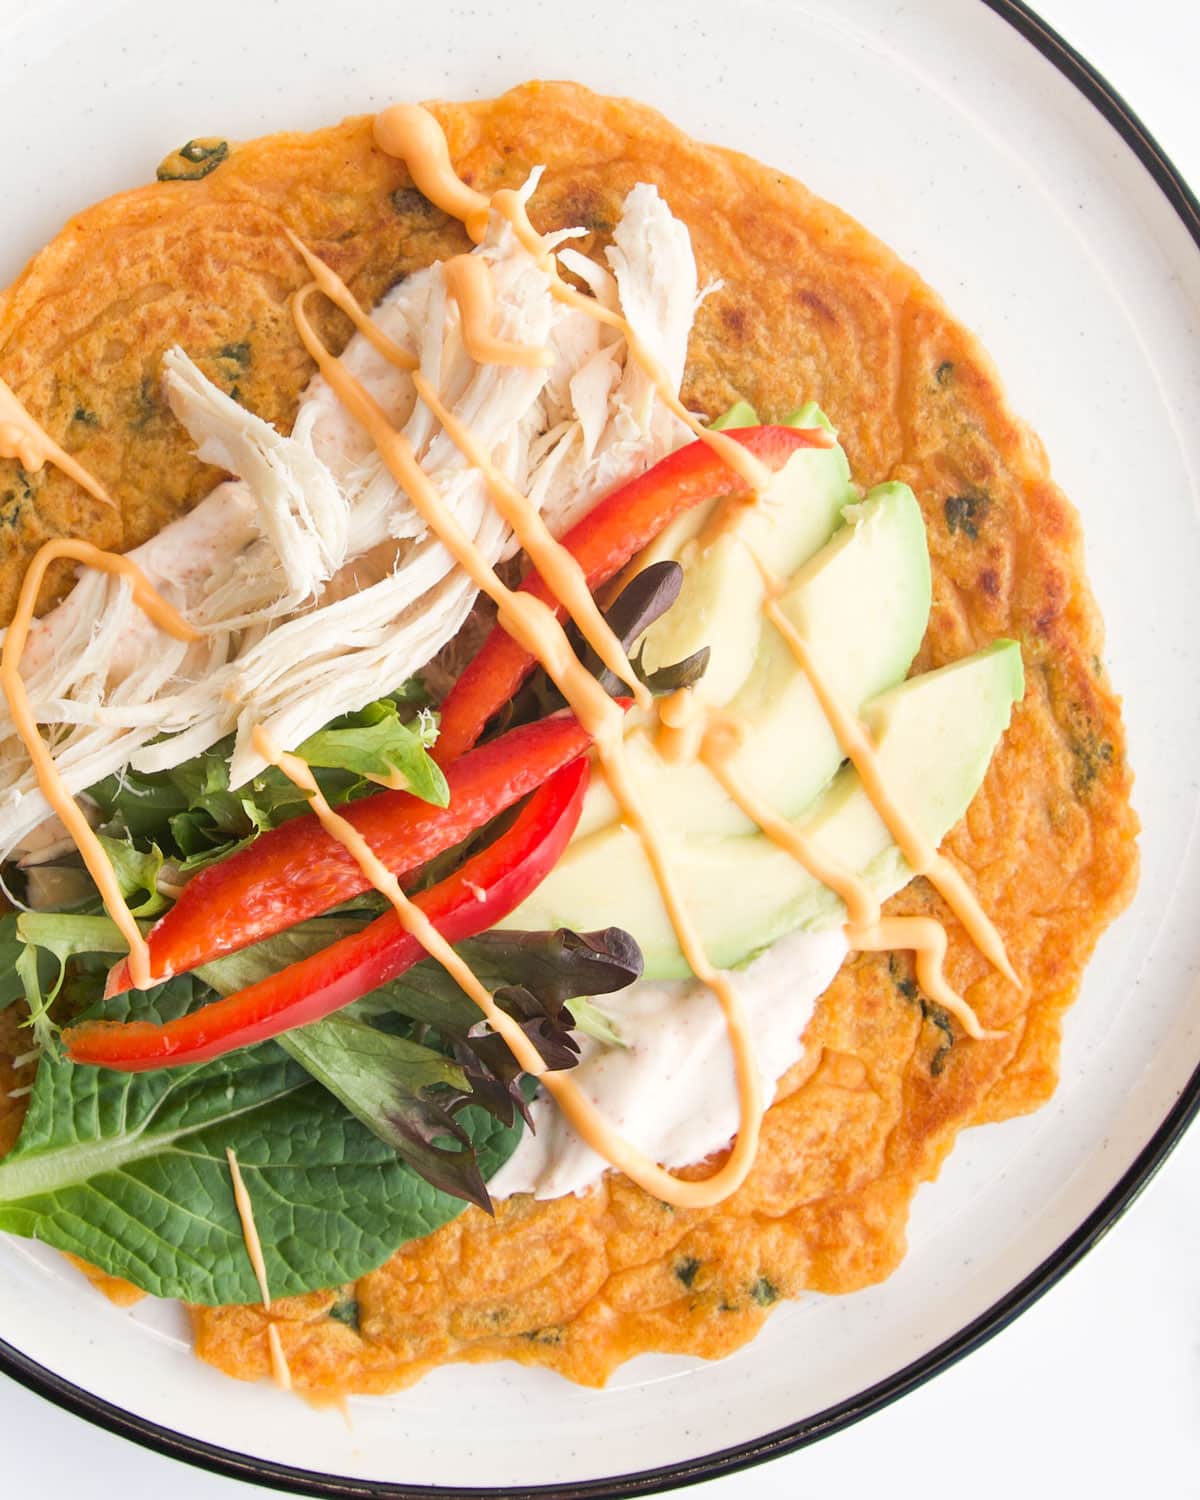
[{"x": 1097, "y": 1388}]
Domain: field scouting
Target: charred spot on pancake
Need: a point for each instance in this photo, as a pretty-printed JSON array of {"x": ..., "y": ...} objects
[
  {"x": 85, "y": 417},
  {"x": 989, "y": 583},
  {"x": 965, "y": 513},
  {"x": 1054, "y": 591},
  {"x": 583, "y": 207},
  {"x": 944, "y": 373},
  {"x": 411, "y": 203},
  {"x": 734, "y": 320},
  {"x": 816, "y": 305},
  {"x": 194, "y": 160}
]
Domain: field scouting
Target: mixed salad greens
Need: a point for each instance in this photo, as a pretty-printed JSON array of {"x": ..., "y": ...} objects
[
  {"x": 354, "y": 1132},
  {"x": 361, "y": 1130}
]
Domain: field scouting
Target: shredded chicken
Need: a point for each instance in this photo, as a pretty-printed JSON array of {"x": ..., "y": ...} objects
[{"x": 313, "y": 580}]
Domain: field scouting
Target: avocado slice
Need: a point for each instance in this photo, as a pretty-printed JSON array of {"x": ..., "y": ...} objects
[
  {"x": 720, "y": 604},
  {"x": 740, "y": 414},
  {"x": 935, "y": 735},
  {"x": 866, "y": 593}
]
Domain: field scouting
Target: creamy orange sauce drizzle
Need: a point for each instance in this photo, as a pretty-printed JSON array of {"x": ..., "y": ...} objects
[
  {"x": 342, "y": 297},
  {"x": 681, "y": 726},
  {"x": 926, "y": 937},
  {"x": 469, "y": 282},
  {"x": 411, "y": 133},
  {"x": 861, "y": 905},
  {"x": 245, "y": 1210},
  {"x": 535, "y": 626},
  {"x": 280, "y": 1370},
  {"x": 167, "y": 618},
  {"x": 528, "y": 619},
  {"x": 557, "y": 566},
  {"x": 26, "y": 440},
  {"x": 866, "y": 930}
]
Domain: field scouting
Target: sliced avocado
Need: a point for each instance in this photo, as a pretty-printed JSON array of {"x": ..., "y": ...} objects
[
  {"x": 809, "y": 415},
  {"x": 865, "y": 598},
  {"x": 720, "y": 605},
  {"x": 935, "y": 735},
  {"x": 740, "y": 414}
]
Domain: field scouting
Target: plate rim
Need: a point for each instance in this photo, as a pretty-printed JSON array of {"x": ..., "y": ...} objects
[{"x": 231, "y": 1464}]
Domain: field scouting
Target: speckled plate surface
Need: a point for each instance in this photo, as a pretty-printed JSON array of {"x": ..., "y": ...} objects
[{"x": 972, "y": 142}]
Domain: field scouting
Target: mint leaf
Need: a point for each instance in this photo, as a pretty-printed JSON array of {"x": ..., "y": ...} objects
[{"x": 129, "y": 1171}]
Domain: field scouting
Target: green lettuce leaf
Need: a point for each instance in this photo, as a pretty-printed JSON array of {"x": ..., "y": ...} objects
[
  {"x": 408, "y": 1093},
  {"x": 137, "y": 872},
  {"x": 44, "y": 942},
  {"x": 561, "y": 966},
  {"x": 195, "y": 818},
  {"x": 11, "y": 948},
  {"x": 129, "y": 1171},
  {"x": 379, "y": 744},
  {"x": 393, "y": 1085},
  {"x": 238, "y": 971},
  {"x": 593, "y": 1022},
  {"x": 533, "y": 976}
]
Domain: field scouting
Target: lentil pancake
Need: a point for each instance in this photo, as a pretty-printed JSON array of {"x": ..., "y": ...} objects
[{"x": 809, "y": 306}]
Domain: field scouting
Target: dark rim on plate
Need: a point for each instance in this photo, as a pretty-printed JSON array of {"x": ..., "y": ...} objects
[{"x": 81, "y": 1403}]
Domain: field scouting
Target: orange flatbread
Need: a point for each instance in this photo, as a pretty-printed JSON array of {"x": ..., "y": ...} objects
[{"x": 811, "y": 306}]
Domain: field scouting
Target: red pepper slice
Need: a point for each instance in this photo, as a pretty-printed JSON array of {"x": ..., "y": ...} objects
[
  {"x": 487, "y": 887},
  {"x": 297, "y": 870},
  {"x": 604, "y": 541}
]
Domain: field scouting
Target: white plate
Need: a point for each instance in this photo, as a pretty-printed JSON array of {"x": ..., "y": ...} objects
[{"x": 982, "y": 162}]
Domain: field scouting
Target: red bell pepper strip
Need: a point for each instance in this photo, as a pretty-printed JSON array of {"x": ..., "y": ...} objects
[
  {"x": 487, "y": 887},
  {"x": 297, "y": 870},
  {"x": 603, "y": 542}
]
